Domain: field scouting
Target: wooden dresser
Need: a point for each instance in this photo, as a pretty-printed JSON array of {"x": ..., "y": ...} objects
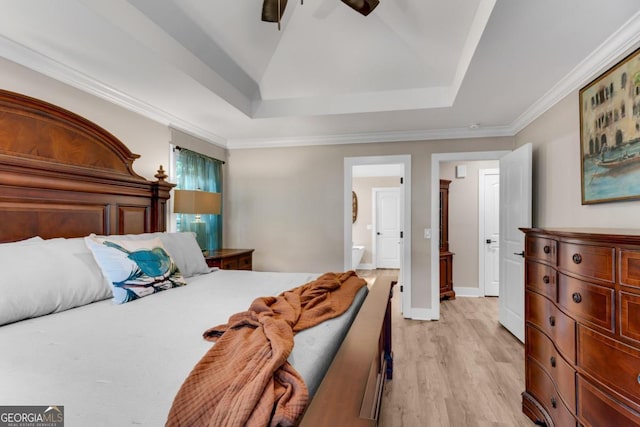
[
  {"x": 582, "y": 311},
  {"x": 231, "y": 259},
  {"x": 446, "y": 256}
]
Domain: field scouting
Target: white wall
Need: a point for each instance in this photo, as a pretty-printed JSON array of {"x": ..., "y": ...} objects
[{"x": 556, "y": 174}]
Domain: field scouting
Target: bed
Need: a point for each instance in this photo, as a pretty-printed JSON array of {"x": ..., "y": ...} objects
[{"x": 63, "y": 178}]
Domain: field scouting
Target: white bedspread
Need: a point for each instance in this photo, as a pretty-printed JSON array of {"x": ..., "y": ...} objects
[{"x": 121, "y": 365}]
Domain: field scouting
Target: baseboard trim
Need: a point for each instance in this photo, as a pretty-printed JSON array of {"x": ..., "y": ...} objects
[
  {"x": 422, "y": 314},
  {"x": 366, "y": 267},
  {"x": 467, "y": 292}
]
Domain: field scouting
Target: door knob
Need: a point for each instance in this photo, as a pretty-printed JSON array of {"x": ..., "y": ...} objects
[{"x": 519, "y": 253}]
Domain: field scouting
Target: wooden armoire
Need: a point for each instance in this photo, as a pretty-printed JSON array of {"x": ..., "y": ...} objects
[{"x": 446, "y": 257}]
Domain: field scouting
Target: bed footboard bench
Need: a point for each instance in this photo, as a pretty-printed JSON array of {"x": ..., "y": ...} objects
[{"x": 353, "y": 385}]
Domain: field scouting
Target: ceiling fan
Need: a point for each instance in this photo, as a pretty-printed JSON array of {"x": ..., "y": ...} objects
[{"x": 272, "y": 10}]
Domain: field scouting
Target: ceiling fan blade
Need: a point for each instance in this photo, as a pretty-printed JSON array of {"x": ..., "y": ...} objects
[
  {"x": 325, "y": 9},
  {"x": 365, "y": 7},
  {"x": 270, "y": 10}
]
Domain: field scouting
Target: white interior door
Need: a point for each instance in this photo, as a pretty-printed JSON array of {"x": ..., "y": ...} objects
[
  {"x": 387, "y": 228},
  {"x": 489, "y": 215},
  {"x": 515, "y": 212}
]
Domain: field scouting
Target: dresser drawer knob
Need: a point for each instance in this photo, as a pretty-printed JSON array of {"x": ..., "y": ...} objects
[
  {"x": 577, "y": 298},
  {"x": 545, "y": 280},
  {"x": 554, "y": 402},
  {"x": 553, "y": 361},
  {"x": 638, "y": 379},
  {"x": 546, "y": 249},
  {"x": 552, "y": 321},
  {"x": 577, "y": 258}
]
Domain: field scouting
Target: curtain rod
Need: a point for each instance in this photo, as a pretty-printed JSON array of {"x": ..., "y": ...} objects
[{"x": 177, "y": 147}]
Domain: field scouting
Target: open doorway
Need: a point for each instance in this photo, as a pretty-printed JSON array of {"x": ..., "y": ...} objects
[
  {"x": 515, "y": 212},
  {"x": 377, "y": 217},
  {"x": 473, "y": 226},
  {"x": 437, "y": 160}
]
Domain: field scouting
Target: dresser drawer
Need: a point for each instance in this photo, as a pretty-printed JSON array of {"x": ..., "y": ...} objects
[
  {"x": 539, "y": 384},
  {"x": 229, "y": 264},
  {"x": 542, "y": 279},
  {"x": 231, "y": 259},
  {"x": 595, "y": 355},
  {"x": 540, "y": 348},
  {"x": 588, "y": 302},
  {"x": 541, "y": 249},
  {"x": 244, "y": 262},
  {"x": 595, "y": 409},
  {"x": 557, "y": 325},
  {"x": 630, "y": 316},
  {"x": 630, "y": 267},
  {"x": 589, "y": 261}
]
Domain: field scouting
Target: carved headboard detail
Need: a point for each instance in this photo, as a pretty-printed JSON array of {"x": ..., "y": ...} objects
[{"x": 63, "y": 176}]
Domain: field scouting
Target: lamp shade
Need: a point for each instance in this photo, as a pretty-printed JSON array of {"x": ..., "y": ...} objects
[{"x": 196, "y": 202}]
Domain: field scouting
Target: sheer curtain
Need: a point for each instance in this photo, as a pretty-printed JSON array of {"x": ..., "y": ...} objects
[{"x": 195, "y": 171}]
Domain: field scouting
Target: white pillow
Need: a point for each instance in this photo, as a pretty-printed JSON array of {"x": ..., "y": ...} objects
[
  {"x": 182, "y": 247},
  {"x": 47, "y": 276},
  {"x": 135, "y": 268},
  {"x": 28, "y": 241}
]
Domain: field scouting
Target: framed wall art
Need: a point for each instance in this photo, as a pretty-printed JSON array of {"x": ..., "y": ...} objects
[
  {"x": 354, "y": 207},
  {"x": 610, "y": 134}
]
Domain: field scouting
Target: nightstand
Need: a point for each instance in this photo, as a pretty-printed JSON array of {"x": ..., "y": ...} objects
[{"x": 231, "y": 259}]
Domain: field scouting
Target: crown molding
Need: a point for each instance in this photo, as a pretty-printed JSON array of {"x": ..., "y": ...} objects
[
  {"x": 370, "y": 137},
  {"x": 43, "y": 64},
  {"x": 616, "y": 46},
  {"x": 619, "y": 44}
]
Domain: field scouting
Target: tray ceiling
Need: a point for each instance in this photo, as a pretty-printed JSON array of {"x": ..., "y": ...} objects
[{"x": 412, "y": 69}]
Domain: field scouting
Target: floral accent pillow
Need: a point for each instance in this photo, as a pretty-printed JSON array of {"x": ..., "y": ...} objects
[{"x": 135, "y": 268}]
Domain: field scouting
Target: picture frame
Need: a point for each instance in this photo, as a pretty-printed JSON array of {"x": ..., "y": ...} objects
[
  {"x": 354, "y": 207},
  {"x": 610, "y": 134}
]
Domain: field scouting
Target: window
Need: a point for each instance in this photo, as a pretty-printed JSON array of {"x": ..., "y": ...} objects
[{"x": 196, "y": 171}]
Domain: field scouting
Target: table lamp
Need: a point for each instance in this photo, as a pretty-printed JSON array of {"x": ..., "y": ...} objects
[{"x": 198, "y": 203}]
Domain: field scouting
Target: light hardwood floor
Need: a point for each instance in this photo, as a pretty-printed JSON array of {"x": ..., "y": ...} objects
[{"x": 463, "y": 370}]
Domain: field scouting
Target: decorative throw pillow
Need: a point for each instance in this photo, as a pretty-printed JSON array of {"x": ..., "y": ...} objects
[
  {"x": 135, "y": 268},
  {"x": 182, "y": 247}
]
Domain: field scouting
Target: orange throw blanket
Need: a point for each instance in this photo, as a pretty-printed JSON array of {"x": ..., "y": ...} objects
[{"x": 245, "y": 378}]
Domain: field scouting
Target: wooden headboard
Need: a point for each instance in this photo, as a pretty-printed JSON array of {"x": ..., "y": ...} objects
[{"x": 63, "y": 176}]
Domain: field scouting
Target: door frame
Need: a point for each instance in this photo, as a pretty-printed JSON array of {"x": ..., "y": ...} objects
[
  {"x": 374, "y": 220},
  {"x": 433, "y": 313},
  {"x": 405, "y": 206},
  {"x": 481, "y": 235}
]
